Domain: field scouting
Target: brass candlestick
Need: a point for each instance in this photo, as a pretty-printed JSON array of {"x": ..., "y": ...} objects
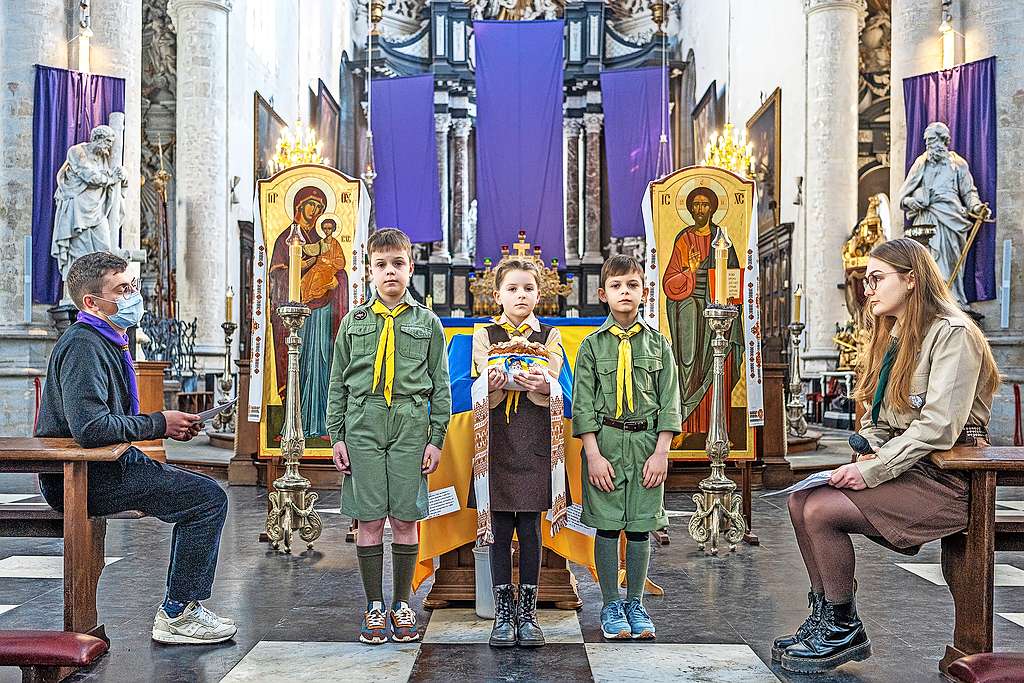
[
  {"x": 796, "y": 406},
  {"x": 225, "y": 422},
  {"x": 291, "y": 501},
  {"x": 718, "y": 506}
]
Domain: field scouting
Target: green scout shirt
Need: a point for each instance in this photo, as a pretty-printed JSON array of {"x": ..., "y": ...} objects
[
  {"x": 655, "y": 381},
  {"x": 421, "y": 364}
]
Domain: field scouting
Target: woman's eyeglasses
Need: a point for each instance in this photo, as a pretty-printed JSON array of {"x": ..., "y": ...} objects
[{"x": 871, "y": 281}]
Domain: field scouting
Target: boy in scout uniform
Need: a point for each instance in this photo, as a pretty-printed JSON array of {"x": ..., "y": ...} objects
[
  {"x": 626, "y": 411},
  {"x": 388, "y": 408}
]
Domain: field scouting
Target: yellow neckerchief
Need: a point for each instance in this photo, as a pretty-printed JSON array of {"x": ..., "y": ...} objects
[
  {"x": 624, "y": 369},
  {"x": 386, "y": 347},
  {"x": 512, "y": 395}
]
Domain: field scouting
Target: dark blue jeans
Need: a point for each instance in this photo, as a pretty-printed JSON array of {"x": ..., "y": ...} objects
[{"x": 194, "y": 503}]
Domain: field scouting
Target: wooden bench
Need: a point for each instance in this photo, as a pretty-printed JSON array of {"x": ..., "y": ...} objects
[
  {"x": 48, "y": 656},
  {"x": 968, "y": 558},
  {"x": 83, "y": 535}
]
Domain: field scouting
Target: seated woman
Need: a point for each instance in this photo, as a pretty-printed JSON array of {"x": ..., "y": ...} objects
[{"x": 927, "y": 380}]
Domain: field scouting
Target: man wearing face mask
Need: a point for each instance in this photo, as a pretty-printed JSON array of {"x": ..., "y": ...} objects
[{"x": 91, "y": 395}]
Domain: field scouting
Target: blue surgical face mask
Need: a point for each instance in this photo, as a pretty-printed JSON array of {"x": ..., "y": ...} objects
[{"x": 129, "y": 310}]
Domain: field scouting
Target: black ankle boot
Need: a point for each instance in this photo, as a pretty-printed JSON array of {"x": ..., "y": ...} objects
[
  {"x": 530, "y": 634},
  {"x": 816, "y": 601},
  {"x": 503, "y": 633},
  {"x": 839, "y": 638}
]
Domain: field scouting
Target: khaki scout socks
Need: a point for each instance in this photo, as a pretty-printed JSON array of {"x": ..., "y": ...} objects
[
  {"x": 403, "y": 564},
  {"x": 638, "y": 556},
  {"x": 606, "y": 561},
  {"x": 371, "y": 569}
]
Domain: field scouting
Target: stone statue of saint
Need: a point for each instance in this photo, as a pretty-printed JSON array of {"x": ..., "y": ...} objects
[
  {"x": 939, "y": 191},
  {"x": 89, "y": 197}
]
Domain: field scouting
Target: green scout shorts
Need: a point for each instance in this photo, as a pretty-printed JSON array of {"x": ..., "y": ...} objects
[
  {"x": 629, "y": 506},
  {"x": 385, "y": 450}
]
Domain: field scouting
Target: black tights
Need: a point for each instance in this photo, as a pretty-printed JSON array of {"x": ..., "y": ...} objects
[
  {"x": 823, "y": 519},
  {"x": 526, "y": 526}
]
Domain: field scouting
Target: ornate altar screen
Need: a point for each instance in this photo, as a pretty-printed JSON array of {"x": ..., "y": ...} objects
[
  {"x": 682, "y": 213},
  {"x": 331, "y": 211}
]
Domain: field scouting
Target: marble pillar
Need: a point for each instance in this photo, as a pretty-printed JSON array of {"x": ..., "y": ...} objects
[
  {"x": 833, "y": 29},
  {"x": 201, "y": 206},
  {"x": 33, "y": 33},
  {"x": 572, "y": 128},
  {"x": 442, "y": 124},
  {"x": 116, "y": 50},
  {"x": 592, "y": 192},
  {"x": 460, "y": 192}
]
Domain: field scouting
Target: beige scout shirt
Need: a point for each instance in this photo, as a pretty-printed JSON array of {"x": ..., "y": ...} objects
[
  {"x": 481, "y": 344},
  {"x": 946, "y": 386}
]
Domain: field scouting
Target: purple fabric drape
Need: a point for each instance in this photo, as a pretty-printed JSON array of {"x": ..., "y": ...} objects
[
  {"x": 964, "y": 98},
  {"x": 519, "y": 136},
  {"x": 633, "y": 115},
  {"x": 407, "y": 191},
  {"x": 67, "y": 106}
]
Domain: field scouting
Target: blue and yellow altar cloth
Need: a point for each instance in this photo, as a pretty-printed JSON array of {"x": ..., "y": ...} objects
[{"x": 448, "y": 532}]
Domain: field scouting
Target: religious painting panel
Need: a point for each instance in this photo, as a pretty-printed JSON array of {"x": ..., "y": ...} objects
[
  {"x": 269, "y": 127},
  {"x": 331, "y": 212},
  {"x": 705, "y": 120},
  {"x": 764, "y": 131},
  {"x": 683, "y": 213},
  {"x": 328, "y": 121}
]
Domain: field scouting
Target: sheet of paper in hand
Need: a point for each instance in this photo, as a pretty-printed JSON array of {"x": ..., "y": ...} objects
[
  {"x": 516, "y": 358},
  {"x": 208, "y": 415},
  {"x": 815, "y": 480}
]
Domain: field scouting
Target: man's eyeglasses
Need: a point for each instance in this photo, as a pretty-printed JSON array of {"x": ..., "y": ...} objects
[{"x": 871, "y": 281}]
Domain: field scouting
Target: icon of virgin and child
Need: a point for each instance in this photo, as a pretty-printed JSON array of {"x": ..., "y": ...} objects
[{"x": 324, "y": 288}]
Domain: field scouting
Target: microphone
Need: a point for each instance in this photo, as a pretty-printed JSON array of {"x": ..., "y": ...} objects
[{"x": 860, "y": 445}]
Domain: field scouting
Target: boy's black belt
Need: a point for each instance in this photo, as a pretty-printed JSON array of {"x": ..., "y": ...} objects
[{"x": 625, "y": 425}]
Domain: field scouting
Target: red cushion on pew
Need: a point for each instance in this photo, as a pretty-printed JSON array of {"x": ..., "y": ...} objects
[
  {"x": 989, "y": 667},
  {"x": 49, "y": 648}
]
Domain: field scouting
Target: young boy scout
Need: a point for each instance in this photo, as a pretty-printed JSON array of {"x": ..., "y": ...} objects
[
  {"x": 626, "y": 411},
  {"x": 388, "y": 408}
]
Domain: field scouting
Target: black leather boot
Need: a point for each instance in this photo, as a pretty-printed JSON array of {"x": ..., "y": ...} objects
[
  {"x": 530, "y": 634},
  {"x": 503, "y": 633},
  {"x": 816, "y": 602},
  {"x": 839, "y": 638}
]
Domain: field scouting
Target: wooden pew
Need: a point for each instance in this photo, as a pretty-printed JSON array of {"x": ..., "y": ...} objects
[
  {"x": 968, "y": 557},
  {"x": 83, "y": 535}
]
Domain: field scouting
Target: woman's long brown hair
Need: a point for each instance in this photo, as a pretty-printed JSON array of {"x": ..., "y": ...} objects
[{"x": 929, "y": 299}]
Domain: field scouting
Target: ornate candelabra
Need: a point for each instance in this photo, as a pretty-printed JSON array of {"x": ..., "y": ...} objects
[
  {"x": 718, "y": 506},
  {"x": 796, "y": 405},
  {"x": 291, "y": 501},
  {"x": 225, "y": 421}
]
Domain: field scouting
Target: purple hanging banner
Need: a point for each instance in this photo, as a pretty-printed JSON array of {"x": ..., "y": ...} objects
[
  {"x": 964, "y": 98},
  {"x": 519, "y": 136},
  {"x": 67, "y": 106},
  {"x": 407, "y": 191},
  {"x": 633, "y": 115}
]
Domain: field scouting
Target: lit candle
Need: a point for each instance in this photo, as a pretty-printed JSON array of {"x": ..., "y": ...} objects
[
  {"x": 721, "y": 269},
  {"x": 228, "y": 300},
  {"x": 294, "y": 264},
  {"x": 797, "y": 295}
]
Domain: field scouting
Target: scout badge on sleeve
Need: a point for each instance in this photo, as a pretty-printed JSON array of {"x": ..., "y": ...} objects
[{"x": 516, "y": 358}]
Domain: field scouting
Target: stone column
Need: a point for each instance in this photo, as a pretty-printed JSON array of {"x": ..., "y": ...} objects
[
  {"x": 592, "y": 192},
  {"x": 916, "y": 49},
  {"x": 833, "y": 27},
  {"x": 116, "y": 50},
  {"x": 460, "y": 191},
  {"x": 201, "y": 206},
  {"x": 572, "y": 128},
  {"x": 33, "y": 33},
  {"x": 442, "y": 124}
]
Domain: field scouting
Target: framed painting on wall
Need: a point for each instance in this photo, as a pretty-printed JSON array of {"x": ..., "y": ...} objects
[
  {"x": 267, "y": 131},
  {"x": 705, "y": 121},
  {"x": 764, "y": 131}
]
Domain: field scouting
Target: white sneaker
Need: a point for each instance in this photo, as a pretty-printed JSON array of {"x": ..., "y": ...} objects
[{"x": 196, "y": 625}]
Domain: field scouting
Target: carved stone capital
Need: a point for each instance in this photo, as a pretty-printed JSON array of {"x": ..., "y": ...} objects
[
  {"x": 572, "y": 127},
  {"x": 812, "y": 6},
  {"x": 462, "y": 127},
  {"x": 442, "y": 123},
  {"x": 593, "y": 122}
]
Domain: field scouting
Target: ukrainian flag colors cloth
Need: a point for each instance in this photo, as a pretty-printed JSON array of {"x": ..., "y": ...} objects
[{"x": 439, "y": 535}]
